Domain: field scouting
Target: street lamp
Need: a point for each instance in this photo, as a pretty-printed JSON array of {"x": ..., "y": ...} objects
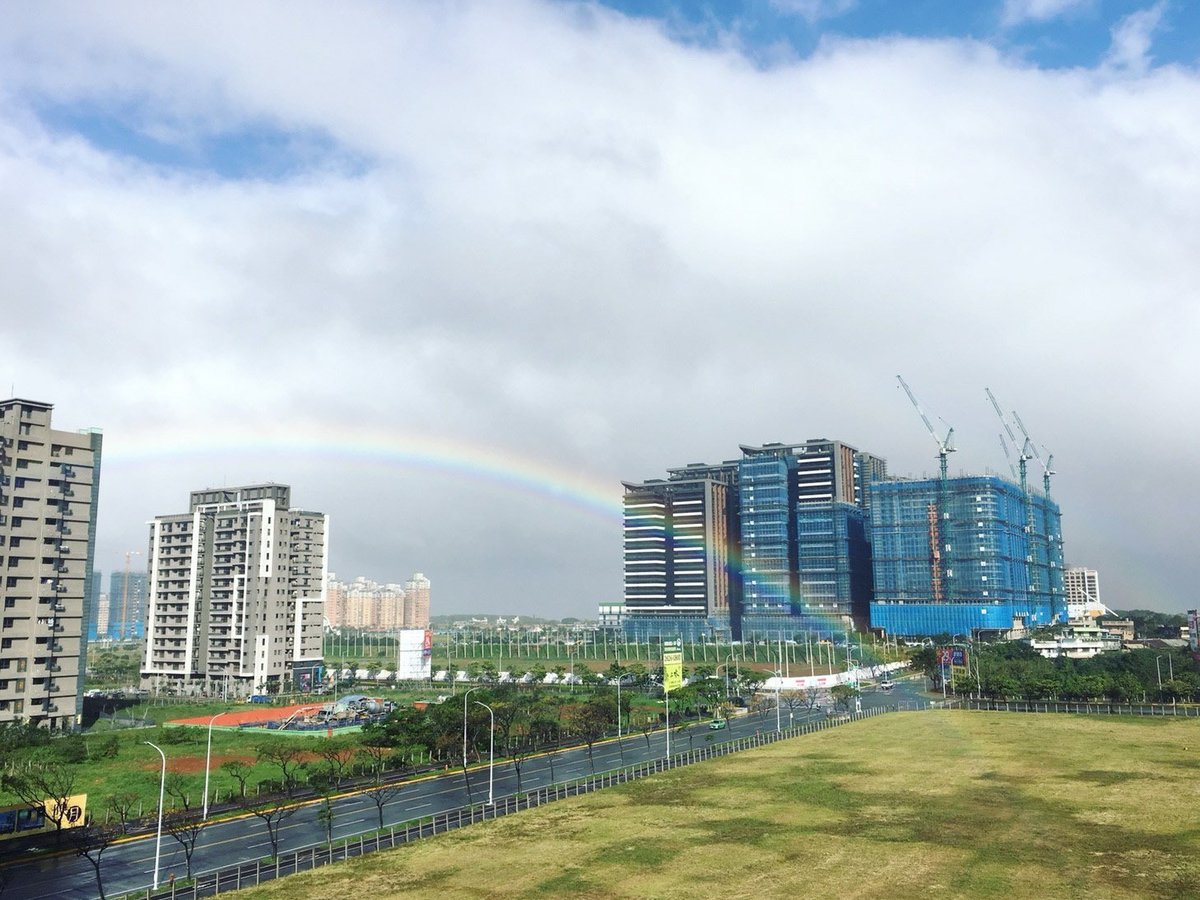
[
  {"x": 467, "y": 694},
  {"x": 618, "y": 710},
  {"x": 208, "y": 762},
  {"x": 491, "y": 745},
  {"x": 778, "y": 686},
  {"x": 162, "y": 785}
]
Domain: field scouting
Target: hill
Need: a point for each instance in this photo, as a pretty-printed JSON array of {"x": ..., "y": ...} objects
[{"x": 944, "y": 803}]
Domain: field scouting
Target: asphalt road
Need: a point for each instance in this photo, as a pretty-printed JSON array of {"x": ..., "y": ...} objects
[{"x": 129, "y": 866}]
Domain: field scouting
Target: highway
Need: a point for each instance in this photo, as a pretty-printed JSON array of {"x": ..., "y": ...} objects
[{"x": 129, "y": 866}]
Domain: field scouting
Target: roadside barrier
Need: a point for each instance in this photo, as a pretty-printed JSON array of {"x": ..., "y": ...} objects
[
  {"x": 231, "y": 878},
  {"x": 1092, "y": 709}
]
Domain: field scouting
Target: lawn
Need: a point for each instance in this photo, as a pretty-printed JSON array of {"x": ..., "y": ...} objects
[{"x": 943, "y": 803}]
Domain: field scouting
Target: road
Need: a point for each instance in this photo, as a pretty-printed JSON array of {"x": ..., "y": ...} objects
[{"x": 129, "y": 866}]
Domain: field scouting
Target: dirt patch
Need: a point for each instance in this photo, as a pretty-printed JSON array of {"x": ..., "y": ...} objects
[{"x": 249, "y": 716}]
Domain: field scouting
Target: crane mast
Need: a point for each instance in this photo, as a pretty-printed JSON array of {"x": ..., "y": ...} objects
[{"x": 936, "y": 514}]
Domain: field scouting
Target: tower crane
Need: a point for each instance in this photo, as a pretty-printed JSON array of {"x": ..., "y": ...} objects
[
  {"x": 1024, "y": 457},
  {"x": 1053, "y": 542},
  {"x": 1008, "y": 456},
  {"x": 946, "y": 445},
  {"x": 936, "y": 514},
  {"x": 1048, "y": 465}
]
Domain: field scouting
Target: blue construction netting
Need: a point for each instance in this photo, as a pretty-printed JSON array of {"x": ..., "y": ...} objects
[
  {"x": 988, "y": 555},
  {"x": 928, "y": 619}
]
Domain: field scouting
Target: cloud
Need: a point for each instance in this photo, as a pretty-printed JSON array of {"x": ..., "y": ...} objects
[
  {"x": 1018, "y": 12},
  {"x": 568, "y": 238},
  {"x": 1132, "y": 37},
  {"x": 813, "y": 11}
]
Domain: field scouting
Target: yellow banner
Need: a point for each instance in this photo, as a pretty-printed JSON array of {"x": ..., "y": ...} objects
[{"x": 672, "y": 666}]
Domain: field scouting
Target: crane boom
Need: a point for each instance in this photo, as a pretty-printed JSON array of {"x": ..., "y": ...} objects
[{"x": 920, "y": 412}]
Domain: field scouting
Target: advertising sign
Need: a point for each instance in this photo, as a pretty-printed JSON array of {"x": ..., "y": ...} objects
[
  {"x": 952, "y": 656},
  {"x": 414, "y": 659},
  {"x": 672, "y": 665},
  {"x": 16, "y": 820}
]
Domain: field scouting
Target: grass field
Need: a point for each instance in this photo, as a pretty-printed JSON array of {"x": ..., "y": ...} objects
[{"x": 943, "y": 804}]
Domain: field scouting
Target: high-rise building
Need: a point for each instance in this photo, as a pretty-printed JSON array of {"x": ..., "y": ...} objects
[
  {"x": 127, "y": 605},
  {"x": 806, "y": 558},
  {"x": 49, "y": 487},
  {"x": 1082, "y": 587},
  {"x": 366, "y": 604},
  {"x": 237, "y": 591},
  {"x": 416, "y": 602},
  {"x": 973, "y": 553},
  {"x": 681, "y": 553}
]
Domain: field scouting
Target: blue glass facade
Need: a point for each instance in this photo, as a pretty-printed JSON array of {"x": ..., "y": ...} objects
[
  {"x": 1000, "y": 554},
  {"x": 768, "y": 548}
]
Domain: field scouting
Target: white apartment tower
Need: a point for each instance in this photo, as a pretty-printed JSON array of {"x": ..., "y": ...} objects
[
  {"x": 237, "y": 593},
  {"x": 49, "y": 485},
  {"x": 1082, "y": 587}
]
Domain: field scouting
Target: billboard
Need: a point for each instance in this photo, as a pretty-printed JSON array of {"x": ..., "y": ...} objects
[
  {"x": 952, "y": 656},
  {"x": 20, "y": 820},
  {"x": 672, "y": 665},
  {"x": 414, "y": 659}
]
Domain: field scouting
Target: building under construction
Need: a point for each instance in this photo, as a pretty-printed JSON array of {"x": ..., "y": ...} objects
[{"x": 961, "y": 554}]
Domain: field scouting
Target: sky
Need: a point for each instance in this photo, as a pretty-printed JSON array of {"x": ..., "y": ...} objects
[{"x": 453, "y": 271}]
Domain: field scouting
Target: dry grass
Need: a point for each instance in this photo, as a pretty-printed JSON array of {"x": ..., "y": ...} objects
[{"x": 947, "y": 804}]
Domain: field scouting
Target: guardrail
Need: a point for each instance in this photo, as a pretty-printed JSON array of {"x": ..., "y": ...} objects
[
  {"x": 230, "y": 878},
  {"x": 1094, "y": 709}
]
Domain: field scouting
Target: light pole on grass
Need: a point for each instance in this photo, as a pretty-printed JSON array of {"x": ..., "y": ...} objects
[
  {"x": 491, "y": 746},
  {"x": 162, "y": 785},
  {"x": 465, "y": 695},
  {"x": 778, "y": 687},
  {"x": 208, "y": 762}
]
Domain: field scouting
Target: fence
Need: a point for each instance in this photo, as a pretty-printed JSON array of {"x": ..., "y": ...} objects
[
  {"x": 1095, "y": 709},
  {"x": 211, "y": 883}
]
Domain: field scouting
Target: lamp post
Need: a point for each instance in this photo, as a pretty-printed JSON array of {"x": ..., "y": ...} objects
[
  {"x": 162, "y": 785},
  {"x": 620, "y": 678},
  {"x": 491, "y": 746},
  {"x": 778, "y": 687},
  {"x": 1158, "y": 669},
  {"x": 465, "y": 695},
  {"x": 208, "y": 763}
]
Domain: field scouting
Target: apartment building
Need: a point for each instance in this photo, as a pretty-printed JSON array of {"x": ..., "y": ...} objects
[
  {"x": 49, "y": 487},
  {"x": 237, "y": 592}
]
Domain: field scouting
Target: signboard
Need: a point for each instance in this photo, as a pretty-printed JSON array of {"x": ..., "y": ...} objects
[
  {"x": 672, "y": 665},
  {"x": 414, "y": 659},
  {"x": 18, "y": 820},
  {"x": 952, "y": 656}
]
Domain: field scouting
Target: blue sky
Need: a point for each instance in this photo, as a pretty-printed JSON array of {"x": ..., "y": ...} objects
[
  {"x": 1044, "y": 33},
  {"x": 1067, "y": 34}
]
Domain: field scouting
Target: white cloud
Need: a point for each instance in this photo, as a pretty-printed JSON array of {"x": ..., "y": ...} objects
[
  {"x": 814, "y": 11},
  {"x": 1132, "y": 38},
  {"x": 578, "y": 241},
  {"x": 1018, "y": 12}
]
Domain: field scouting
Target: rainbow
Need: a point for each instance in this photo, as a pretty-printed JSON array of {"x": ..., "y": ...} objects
[{"x": 480, "y": 462}]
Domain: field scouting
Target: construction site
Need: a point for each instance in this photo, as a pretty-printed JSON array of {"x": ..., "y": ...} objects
[{"x": 971, "y": 553}]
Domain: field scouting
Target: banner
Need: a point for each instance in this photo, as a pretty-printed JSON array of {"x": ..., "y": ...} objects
[
  {"x": 672, "y": 665},
  {"x": 414, "y": 659}
]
